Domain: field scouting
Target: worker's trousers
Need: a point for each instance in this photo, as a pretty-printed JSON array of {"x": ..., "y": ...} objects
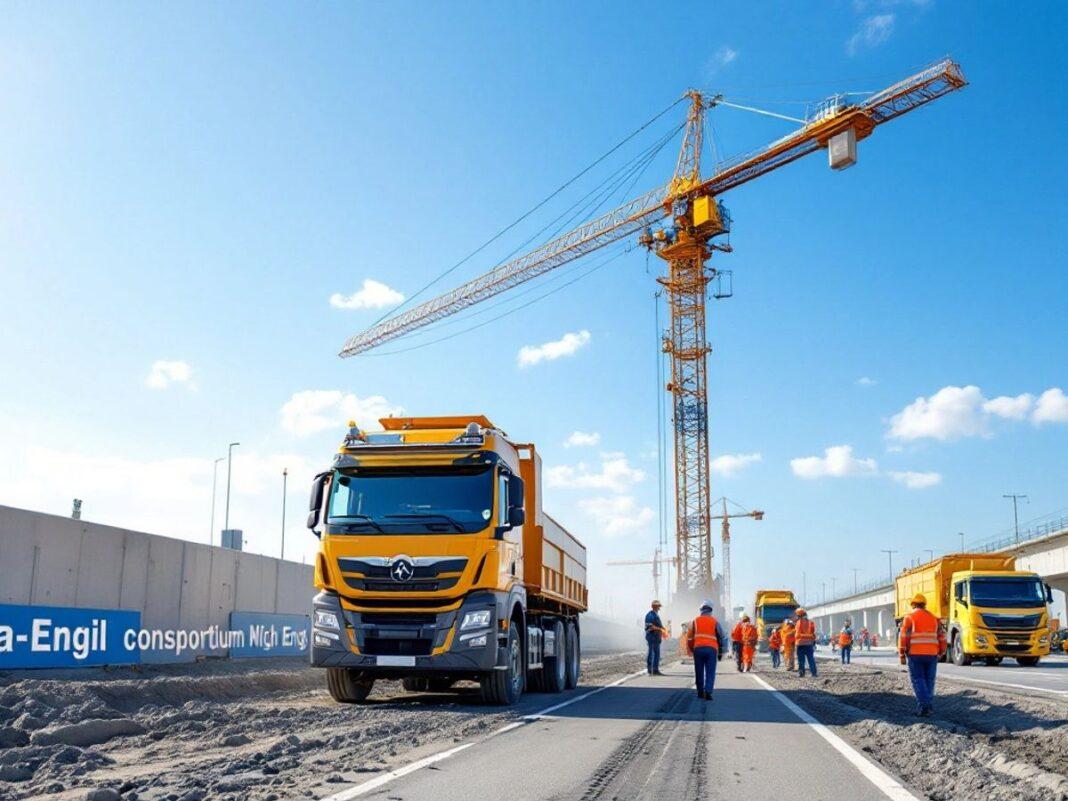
[
  {"x": 736, "y": 647},
  {"x": 847, "y": 654},
  {"x": 788, "y": 658},
  {"x": 652, "y": 656},
  {"x": 806, "y": 653},
  {"x": 775, "y": 657},
  {"x": 922, "y": 674},
  {"x": 704, "y": 668}
]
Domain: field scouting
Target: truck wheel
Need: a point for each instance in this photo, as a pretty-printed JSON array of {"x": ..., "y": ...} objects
[
  {"x": 554, "y": 672},
  {"x": 415, "y": 685},
  {"x": 347, "y": 686},
  {"x": 959, "y": 657},
  {"x": 574, "y": 656},
  {"x": 503, "y": 687},
  {"x": 1027, "y": 661}
]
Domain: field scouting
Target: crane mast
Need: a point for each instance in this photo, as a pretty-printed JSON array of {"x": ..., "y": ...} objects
[{"x": 695, "y": 221}]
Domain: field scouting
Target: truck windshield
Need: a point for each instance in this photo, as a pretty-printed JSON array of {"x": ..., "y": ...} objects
[
  {"x": 1004, "y": 591},
  {"x": 426, "y": 499},
  {"x": 776, "y": 613}
]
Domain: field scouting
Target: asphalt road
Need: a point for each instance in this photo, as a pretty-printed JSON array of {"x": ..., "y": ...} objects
[
  {"x": 648, "y": 738},
  {"x": 1049, "y": 677}
]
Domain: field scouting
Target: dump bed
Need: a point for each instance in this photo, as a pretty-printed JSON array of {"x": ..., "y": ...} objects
[
  {"x": 933, "y": 579},
  {"x": 554, "y": 562}
]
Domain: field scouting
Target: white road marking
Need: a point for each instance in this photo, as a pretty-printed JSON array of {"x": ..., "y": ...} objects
[
  {"x": 956, "y": 676},
  {"x": 373, "y": 784},
  {"x": 887, "y": 784}
]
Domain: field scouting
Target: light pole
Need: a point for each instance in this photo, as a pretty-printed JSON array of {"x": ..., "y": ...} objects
[
  {"x": 214, "y": 481},
  {"x": 1015, "y": 512},
  {"x": 833, "y": 582},
  {"x": 229, "y": 464},
  {"x": 823, "y": 591},
  {"x": 285, "y": 478},
  {"x": 890, "y": 558},
  {"x": 961, "y": 541},
  {"x": 930, "y": 554},
  {"x": 855, "y": 591},
  {"x": 804, "y": 587}
]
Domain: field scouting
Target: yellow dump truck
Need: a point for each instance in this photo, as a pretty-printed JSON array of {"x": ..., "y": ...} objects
[
  {"x": 989, "y": 608},
  {"x": 437, "y": 564},
  {"x": 772, "y": 607}
]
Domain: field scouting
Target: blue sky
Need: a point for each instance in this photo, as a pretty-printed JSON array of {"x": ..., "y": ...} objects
[{"x": 192, "y": 184}]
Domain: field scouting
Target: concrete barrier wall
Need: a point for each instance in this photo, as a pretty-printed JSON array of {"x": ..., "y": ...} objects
[{"x": 47, "y": 560}]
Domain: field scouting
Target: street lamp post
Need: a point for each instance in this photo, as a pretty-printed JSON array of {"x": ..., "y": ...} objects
[
  {"x": 823, "y": 592},
  {"x": 961, "y": 541},
  {"x": 1015, "y": 512},
  {"x": 804, "y": 587},
  {"x": 833, "y": 582},
  {"x": 214, "y": 481},
  {"x": 229, "y": 464},
  {"x": 285, "y": 478},
  {"x": 930, "y": 554},
  {"x": 854, "y": 580},
  {"x": 890, "y": 559}
]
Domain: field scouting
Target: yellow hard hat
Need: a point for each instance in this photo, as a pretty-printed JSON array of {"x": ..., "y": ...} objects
[
  {"x": 919, "y": 599},
  {"x": 800, "y": 612}
]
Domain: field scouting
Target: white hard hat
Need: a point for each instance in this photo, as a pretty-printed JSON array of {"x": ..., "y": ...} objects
[{"x": 707, "y": 604}]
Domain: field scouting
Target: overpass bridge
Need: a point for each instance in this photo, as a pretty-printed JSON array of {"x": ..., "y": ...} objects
[{"x": 873, "y": 606}]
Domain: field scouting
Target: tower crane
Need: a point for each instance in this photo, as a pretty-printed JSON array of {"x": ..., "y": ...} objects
[
  {"x": 682, "y": 222},
  {"x": 726, "y": 518},
  {"x": 657, "y": 562}
]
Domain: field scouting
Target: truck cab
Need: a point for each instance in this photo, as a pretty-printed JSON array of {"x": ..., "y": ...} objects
[
  {"x": 437, "y": 564},
  {"x": 771, "y": 608},
  {"x": 998, "y": 614}
]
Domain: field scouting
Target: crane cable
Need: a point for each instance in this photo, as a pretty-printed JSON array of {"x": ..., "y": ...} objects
[{"x": 526, "y": 214}]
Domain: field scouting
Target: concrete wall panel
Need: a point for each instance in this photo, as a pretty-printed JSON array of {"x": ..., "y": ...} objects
[
  {"x": 18, "y": 555},
  {"x": 134, "y": 591},
  {"x": 99, "y": 580}
]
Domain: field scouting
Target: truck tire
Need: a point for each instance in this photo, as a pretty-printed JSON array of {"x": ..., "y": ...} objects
[
  {"x": 415, "y": 685},
  {"x": 574, "y": 656},
  {"x": 503, "y": 687},
  {"x": 959, "y": 657},
  {"x": 1027, "y": 661},
  {"x": 347, "y": 686},
  {"x": 554, "y": 672}
]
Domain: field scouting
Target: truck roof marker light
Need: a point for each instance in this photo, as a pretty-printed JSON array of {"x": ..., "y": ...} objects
[{"x": 354, "y": 435}]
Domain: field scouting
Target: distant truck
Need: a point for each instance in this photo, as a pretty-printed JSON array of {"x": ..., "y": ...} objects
[
  {"x": 990, "y": 609},
  {"x": 771, "y": 608},
  {"x": 437, "y": 564}
]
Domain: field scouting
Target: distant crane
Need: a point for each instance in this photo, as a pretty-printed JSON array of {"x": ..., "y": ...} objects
[
  {"x": 726, "y": 518},
  {"x": 657, "y": 563},
  {"x": 695, "y": 221}
]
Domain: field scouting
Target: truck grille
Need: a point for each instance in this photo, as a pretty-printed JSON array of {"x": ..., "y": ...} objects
[
  {"x": 381, "y": 646},
  {"x": 1013, "y": 647},
  {"x": 1011, "y": 622},
  {"x": 398, "y": 619},
  {"x": 388, "y": 585}
]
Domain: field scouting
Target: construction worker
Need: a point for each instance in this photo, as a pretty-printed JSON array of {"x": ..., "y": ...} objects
[
  {"x": 806, "y": 643},
  {"x": 736, "y": 643},
  {"x": 845, "y": 643},
  {"x": 706, "y": 642},
  {"x": 654, "y": 635},
  {"x": 922, "y": 641},
  {"x": 865, "y": 638},
  {"x": 774, "y": 644},
  {"x": 789, "y": 642},
  {"x": 749, "y": 643}
]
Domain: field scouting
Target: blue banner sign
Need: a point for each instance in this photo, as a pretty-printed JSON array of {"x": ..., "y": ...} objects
[
  {"x": 266, "y": 634},
  {"x": 61, "y": 636}
]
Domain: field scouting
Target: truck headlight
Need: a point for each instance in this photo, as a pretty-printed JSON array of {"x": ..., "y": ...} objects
[
  {"x": 478, "y": 619},
  {"x": 1043, "y": 640},
  {"x": 980, "y": 639},
  {"x": 477, "y": 642},
  {"x": 325, "y": 619}
]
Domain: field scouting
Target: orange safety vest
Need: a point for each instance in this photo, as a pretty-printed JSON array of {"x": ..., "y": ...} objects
[
  {"x": 749, "y": 634},
  {"x": 921, "y": 634},
  {"x": 736, "y": 633},
  {"x": 806, "y": 632},
  {"x": 845, "y": 638},
  {"x": 702, "y": 633},
  {"x": 789, "y": 635},
  {"x": 775, "y": 640}
]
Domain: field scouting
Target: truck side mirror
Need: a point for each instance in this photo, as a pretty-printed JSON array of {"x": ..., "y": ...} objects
[
  {"x": 1049, "y": 594},
  {"x": 315, "y": 502},
  {"x": 516, "y": 516}
]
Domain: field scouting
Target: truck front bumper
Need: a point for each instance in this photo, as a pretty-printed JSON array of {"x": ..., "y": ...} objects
[
  {"x": 1008, "y": 643},
  {"x": 406, "y": 644}
]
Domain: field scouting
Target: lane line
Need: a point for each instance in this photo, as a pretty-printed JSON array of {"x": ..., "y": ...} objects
[
  {"x": 887, "y": 784},
  {"x": 385, "y": 778}
]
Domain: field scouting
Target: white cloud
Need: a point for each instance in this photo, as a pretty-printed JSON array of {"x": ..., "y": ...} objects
[
  {"x": 372, "y": 295},
  {"x": 731, "y": 464},
  {"x": 615, "y": 475},
  {"x": 1009, "y": 407},
  {"x": 616, "y": 515},
  {"x": 582, "y": 439},
  {"x": 873, "y": 31},
  {"x": 568, "y": 345},
  {"x": 914, "y": 480},
  {"x": 313, "y": 410},
  {"x": 725, "y": 54},
  {"x": 837, "y": 462},
  {"x": 164, "y": 373},
  {"x": 864, "y": 381},
  {"x": 951, "y": 413},
  {"x": 1052, "y": 407}
]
